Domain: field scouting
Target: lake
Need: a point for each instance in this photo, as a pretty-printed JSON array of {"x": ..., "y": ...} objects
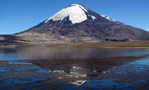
[{"x": 47, "y": 68}]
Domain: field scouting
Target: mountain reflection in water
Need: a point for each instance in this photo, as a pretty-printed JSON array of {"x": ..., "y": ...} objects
[
  {"x": 42, "y": 68},
  {"x": 80, "y": 71},
  {"x": 65, "y": 53}
]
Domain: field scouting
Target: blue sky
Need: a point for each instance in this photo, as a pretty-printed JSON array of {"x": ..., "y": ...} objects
[{"x": 20, "y": 15}]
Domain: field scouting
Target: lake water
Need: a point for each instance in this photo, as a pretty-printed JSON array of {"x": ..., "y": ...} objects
[{"x": 42, "y": 68}]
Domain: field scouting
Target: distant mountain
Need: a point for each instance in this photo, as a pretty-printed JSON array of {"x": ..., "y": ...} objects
[{"x": 76, "y": 23}]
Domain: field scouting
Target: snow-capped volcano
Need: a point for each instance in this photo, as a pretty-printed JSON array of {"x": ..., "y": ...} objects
[
  {"x": 75, "y": 12},
  {"x": 77, "y": 23}
]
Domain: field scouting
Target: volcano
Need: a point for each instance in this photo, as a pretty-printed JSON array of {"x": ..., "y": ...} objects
[{"x": 77, "y": 23}]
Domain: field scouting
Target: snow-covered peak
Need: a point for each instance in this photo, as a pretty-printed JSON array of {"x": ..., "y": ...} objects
[
  {"x": 79, "y": 5},
  {"x": 108, "y": 18},
  {"x": 75, "y": 12}
]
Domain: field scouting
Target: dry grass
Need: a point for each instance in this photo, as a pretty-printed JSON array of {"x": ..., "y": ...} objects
[{"x": 133, "y": 44}]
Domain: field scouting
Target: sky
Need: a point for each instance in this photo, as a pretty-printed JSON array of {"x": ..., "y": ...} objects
[{"x": 20, "y": 15}]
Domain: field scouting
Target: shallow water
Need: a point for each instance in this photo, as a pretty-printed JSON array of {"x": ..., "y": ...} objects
[
  {"x": 66, "y": 53},
  {"x": 133, "y": 75},
  {"x": 39, "y": 68}
]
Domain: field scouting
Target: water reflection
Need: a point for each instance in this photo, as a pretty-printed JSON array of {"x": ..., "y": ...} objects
[
  {"x": 69, "y": 53},
  {"x": 78, "y": 72},
  {"x": 130, "y": 76},
  {"x": 73, "y": 68},
  {"x": 65, "y": 53}
]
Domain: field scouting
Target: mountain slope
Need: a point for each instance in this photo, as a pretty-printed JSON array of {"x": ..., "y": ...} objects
[{"x": 76, "y": 23}]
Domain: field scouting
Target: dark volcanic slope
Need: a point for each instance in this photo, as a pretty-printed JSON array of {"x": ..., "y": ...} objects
[{"x": 77, "y": 23}]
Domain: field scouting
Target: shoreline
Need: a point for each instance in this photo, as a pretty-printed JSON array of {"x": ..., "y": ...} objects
[{"x": 132, "y": 44}]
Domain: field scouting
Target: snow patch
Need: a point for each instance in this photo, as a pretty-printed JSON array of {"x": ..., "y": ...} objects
[
  {"x": 108, "y": 18},
  {"x": 93, "y": 17}
]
